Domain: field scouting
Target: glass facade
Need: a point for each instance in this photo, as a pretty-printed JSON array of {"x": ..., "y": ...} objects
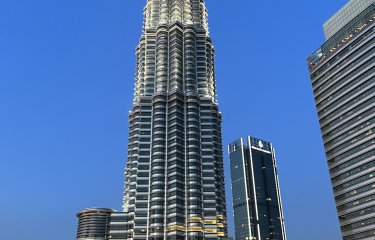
[
  {"x": 255, "y": 190},
  {"x": 345, "y": 15},
  {"x": 93, "y": 224},
  {"x": 102, "y": 224},
  {"x": 174, "y": 178},
  {"x": 343, "y": 80}
]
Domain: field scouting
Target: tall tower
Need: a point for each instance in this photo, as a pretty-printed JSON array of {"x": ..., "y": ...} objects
[
  {"x": 343, "y": 80},
  {"x": 174, "y": 187},
  {"x": 257, "y": 207}
]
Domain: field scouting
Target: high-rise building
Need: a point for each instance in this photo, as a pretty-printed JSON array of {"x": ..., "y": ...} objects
[
  {"x": 174, "y": 187},
  {"x": 257, "y": 207},
  {"x": 343, "y": 80}
]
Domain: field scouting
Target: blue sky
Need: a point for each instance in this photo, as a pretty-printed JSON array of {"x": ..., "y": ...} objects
[{"x": 66, "y": 86}]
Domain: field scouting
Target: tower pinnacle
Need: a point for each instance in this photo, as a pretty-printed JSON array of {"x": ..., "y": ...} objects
[{"x": 165, "y": 12}]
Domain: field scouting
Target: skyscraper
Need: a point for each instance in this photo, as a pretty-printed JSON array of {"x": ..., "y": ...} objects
[
  {"x": 343, "y": 80},
  {"x": 174, "y": 185},
  {"x": 257, "y": 207}
]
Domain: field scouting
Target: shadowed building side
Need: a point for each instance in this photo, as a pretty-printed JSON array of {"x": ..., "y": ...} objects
[{"x": 257, "y": 207}]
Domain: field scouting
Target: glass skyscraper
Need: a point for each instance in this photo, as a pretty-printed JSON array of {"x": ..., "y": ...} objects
[
  {"x": 343, "y": 80},
  {"x": 174, "y": 185},
  {"x": 257, "y": 207}
]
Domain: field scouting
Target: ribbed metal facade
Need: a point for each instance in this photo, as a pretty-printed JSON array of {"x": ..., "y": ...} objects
[
  {"x": 93, "y": 224},
  {"x": 118, "y": 226},
  {"x": 343, "y": 81},
  {"x": 258, "y": 213},
  {"x": 344, "y": 16},
  {"x": 174, "y": 185}
]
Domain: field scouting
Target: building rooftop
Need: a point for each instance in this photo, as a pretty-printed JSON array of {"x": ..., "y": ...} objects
[
  {"x": 346, "y": 14},
  {"x": 363, "y": 22},
  {"x": 249, "y": 142},
  {"x": 95, "y": 210}
]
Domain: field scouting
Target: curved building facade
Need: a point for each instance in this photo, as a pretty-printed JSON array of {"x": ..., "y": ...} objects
[
  {"x": 343, "y": 79},
  {"x": 93, "y": 224},
  {"x": 174, "y": 185}
]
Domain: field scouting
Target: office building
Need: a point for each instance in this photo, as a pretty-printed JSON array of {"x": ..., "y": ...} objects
[
  {"x": 343, "y": 81},
  {"x": 102, "y": 224},
  {"x": 93, "y": 224},
  {"x": 174, "y": 178},
  {"x": 257, "y": 207}
]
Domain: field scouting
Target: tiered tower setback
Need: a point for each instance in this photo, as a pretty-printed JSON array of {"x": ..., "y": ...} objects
[{"x": 174, "y": 185}]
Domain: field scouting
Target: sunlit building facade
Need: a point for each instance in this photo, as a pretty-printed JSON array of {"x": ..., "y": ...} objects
[
  {"x": 343, "y": 80},
  {"x": 257, "y": 207},
  {"x": 102, "y": 224},
  {"x": 174, "y": 187},
  {"x": 93, "y": 224}
]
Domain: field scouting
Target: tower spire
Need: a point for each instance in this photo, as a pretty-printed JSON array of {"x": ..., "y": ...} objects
[{"x": 164, "y": 12}]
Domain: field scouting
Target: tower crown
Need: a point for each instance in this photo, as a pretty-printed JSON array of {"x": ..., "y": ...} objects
[{"x": 166, "y": 12}]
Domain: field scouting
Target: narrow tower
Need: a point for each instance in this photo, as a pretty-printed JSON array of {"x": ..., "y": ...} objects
[
  {"x": 174, "y": 185},
  {"x": 257, "y": 207}
]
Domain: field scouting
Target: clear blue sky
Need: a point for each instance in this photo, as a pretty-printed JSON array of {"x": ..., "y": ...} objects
[{"x": 66, "y": 86}]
